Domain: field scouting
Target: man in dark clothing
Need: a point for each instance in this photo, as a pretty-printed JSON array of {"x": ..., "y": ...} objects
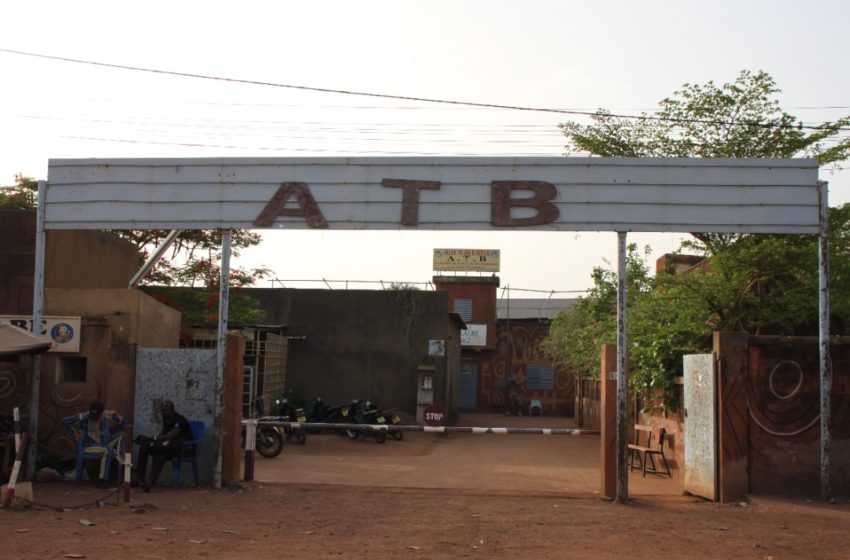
[{"x": 175, "y": 430}]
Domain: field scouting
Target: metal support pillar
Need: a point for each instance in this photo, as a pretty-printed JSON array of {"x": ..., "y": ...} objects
[
  {"x": 825, "y": 359},
  {"x": 221, "y": 354},
  {"x": 37, "y": 313},
  {"x": 622, "y": 361},
  {"x": 154, "y": 258}
]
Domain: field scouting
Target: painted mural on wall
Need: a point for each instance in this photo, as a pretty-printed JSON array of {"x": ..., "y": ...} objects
[
  {"x": 783, "y": 409},
  {"x": 57, "y": 402},
  {"x": 517, "y": 347}
]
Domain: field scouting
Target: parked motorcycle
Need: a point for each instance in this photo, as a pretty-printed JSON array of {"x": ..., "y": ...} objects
[
  {"x": 365, "y": 412},
  {"x": 287, "y": 412},
  {"x": 390, "y": 418},
  {"x": 268, "y": 441}
]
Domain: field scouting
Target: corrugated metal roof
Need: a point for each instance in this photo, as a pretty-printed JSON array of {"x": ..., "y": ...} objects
[
  {"x": 538, "y": 308},
  {"x": 15, "y": 340}
]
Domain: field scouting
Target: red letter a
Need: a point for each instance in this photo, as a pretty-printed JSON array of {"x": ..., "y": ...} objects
[{"x": 309, "y": 210}]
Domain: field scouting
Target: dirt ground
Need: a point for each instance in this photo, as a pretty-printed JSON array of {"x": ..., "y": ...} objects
[{"x": 463, "y": 496}]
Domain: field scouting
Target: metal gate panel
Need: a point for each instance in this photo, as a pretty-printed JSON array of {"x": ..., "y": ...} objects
[
  {"x": 468, "y": 386},
  {"x": 274, "y": 373},
  {"x": 186, "y": 377},
  {"x": 700, "y": 426}
]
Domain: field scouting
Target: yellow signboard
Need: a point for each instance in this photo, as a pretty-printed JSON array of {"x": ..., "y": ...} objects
[{"x": 479, "y": 260}]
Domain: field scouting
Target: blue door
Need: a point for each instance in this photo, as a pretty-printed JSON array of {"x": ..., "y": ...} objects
[{"x": 468, "y": 386}]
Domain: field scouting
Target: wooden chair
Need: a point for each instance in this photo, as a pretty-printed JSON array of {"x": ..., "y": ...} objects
[{"x": 645, "y": 452}]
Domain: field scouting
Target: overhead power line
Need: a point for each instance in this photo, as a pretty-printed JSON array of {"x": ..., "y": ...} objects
[{"x": 388, "y": 96}]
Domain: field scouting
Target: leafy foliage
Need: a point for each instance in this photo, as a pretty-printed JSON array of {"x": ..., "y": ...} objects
[
  {"x": 741, "y": 119},
  {"x": 576, "y": 334},
  {"x": 20, "y": 196},
  {"x": 761, "y": 284},
  {"x": 193, "y": 257},
  {"x": 198, "y": 276},
  {"x": 199, "y": 306}
]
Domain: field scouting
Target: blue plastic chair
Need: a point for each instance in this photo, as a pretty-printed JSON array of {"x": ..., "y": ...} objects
[
  {"x": 188, "y": 452},
  {"x": 82, "y": 456}
]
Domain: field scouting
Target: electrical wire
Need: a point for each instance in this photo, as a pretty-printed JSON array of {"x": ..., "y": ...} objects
[{"x": 389, "y": 96}]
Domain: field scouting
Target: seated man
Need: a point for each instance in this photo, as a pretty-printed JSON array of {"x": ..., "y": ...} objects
[
  {"x": 175, "y": 430},
  {"x": 98, "y": 429}
]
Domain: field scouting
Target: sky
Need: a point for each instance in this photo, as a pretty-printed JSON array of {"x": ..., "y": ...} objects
[{"x": 623, "y": 56}]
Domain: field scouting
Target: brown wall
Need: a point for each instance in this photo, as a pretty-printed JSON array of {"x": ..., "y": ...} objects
[
  {"x": 588, "y": 399},
  {"x": 481, "y": 290},
  {"x": 783, "y": 386},
  {"x": 362, "y": 343},
  {"x": 88, "y": 259},
  {"x": 73, "y": 259},
  {"x": 134, "y": 315},
  {"x": 113, "y": 324},
  {"x": 17, "y": 261}
]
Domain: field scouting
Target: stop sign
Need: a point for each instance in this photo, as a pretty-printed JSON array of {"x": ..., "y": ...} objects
[{"x": 435, "y": 415}]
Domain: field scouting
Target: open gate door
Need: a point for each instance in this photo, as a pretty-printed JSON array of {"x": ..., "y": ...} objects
[{"x": 700, "y": 426}]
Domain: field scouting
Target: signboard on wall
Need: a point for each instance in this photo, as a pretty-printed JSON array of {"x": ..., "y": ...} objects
[
  {"x": 474, "y": 335},
  {"x": 475, "y": 260},
  {"x": 436, "y": 193},
  {"x": 64, "y": 332},
  {"x": 437, "y": 347}
]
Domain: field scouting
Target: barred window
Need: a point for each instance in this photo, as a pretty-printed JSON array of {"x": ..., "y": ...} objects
[
  {"x": 463, "y": 307},
  {"x": 540, "y": 378}
]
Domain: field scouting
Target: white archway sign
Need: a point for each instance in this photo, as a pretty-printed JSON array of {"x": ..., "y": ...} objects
[{"x": 552, "y": 194}]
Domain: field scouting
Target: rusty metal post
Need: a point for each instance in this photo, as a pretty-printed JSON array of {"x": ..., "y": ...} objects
[
  {"x": 16, "y": 426},
  {"x": 825, "y": 359},
  {"x": 221, "y": 355},
  {"x": 127, "y": 463},
  {"x": 37, "y": 308},
  {"x": 250, "y": 441},
  {"x": 608, "y": 422},
  {"x": 21, "y": 441},
  {"x": 622, "y": 360}
]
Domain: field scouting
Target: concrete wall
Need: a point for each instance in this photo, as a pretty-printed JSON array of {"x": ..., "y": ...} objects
[
  {"x": 362, "y": 343},
  {"x": 73, "y": 259},
  {"x": 134, "y": 315},
  {"x": 113, "y": 324},
  {"x": 17, "y": 261},
  {"x": 72, "y": 256},
  {"x": 187, "y": 378}
]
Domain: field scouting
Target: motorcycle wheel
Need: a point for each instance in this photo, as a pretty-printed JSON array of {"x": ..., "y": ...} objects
[
  {"x": 353, "y": 434},
  {"x": 269, "y": 443},
  {"x": 380, "y": 436},
  {"x": 302, "y": 437},
  {"x": 397, "y": 435}
]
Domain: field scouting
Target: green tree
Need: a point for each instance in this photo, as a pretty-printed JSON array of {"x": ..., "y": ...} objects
[
  {"x": 192, "y": 256},
  {"x": 20, "y": 196},
  {"x": 741, "y": 119},
  {"x": 577, "y": 333},
  {"x": 765, "y": 284}
]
